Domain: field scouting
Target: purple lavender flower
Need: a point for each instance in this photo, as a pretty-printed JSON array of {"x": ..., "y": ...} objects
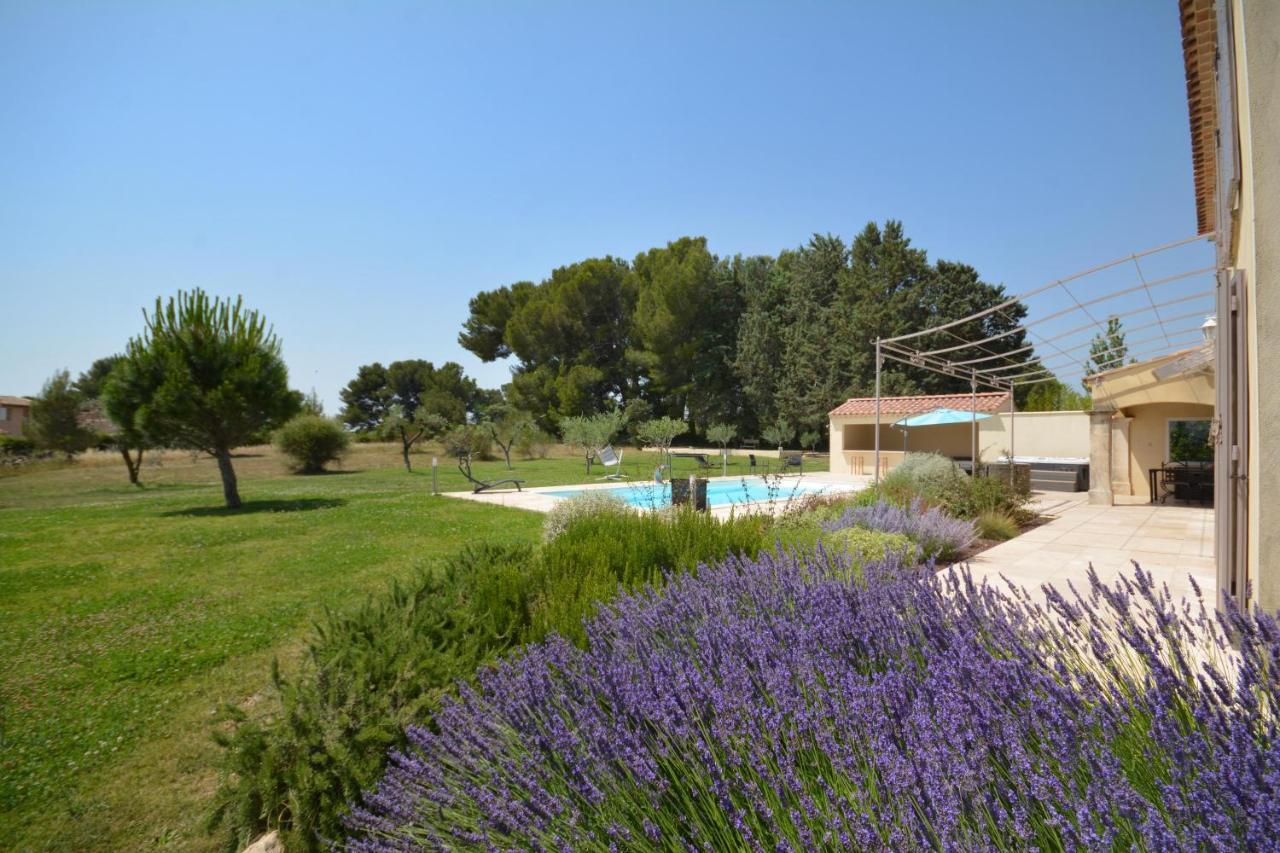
[
  {"x": 938, "y": 534},
  {"x": 772, "y": 704}
]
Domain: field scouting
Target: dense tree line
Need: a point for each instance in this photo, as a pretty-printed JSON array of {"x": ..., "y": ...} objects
[{"x": 742, "y": 341}]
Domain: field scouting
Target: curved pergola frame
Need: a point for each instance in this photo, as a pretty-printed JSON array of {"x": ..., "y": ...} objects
[{"x": 1166, "y": 316}]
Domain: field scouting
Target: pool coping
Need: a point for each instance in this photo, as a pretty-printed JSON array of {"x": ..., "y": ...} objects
[{"x": 538, "y": 498}]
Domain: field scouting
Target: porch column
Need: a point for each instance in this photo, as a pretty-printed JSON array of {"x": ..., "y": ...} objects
[
  {"x": 1121, "y": 484},
  {"x": 1100, "y": 457}
]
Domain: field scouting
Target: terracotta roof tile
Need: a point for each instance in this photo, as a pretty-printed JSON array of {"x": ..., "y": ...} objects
[{"x": 988, "y": 401}]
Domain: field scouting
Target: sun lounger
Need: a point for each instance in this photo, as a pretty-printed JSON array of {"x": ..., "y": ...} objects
[{"x": 478, "y": 486}]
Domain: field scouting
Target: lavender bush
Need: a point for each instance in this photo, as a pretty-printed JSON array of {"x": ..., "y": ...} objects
[
  {"x": 771, "y": 704},
  {"x": 938, "y": 534}
]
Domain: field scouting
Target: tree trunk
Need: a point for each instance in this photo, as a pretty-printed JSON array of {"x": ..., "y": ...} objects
[
  {"x": 405, "y": 444},
  {"x": 132, "y": 465},
  {"x": 229, "y": 491},
  {"x": 506, "y": 453}
]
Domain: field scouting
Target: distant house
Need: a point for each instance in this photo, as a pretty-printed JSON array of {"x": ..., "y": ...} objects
[{"x": 14, "y": 411}]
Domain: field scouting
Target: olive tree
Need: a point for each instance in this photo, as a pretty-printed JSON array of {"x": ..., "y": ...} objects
[
  {"x": 505, "y": 425},
  {"x": 722, "y": 434},
  {"x": 591, "y": 433},
  {"x": 207, "y": 375},
  {"x": 659, "y": 433}
]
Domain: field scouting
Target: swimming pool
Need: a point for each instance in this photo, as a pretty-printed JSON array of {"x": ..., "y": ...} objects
[{"x": 719, "y": 492}]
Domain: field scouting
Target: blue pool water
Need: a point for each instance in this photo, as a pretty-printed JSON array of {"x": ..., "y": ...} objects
[{"x": 719, "y": 492}]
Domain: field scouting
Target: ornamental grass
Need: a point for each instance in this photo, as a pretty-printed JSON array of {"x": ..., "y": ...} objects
[{"x": 773, "y": 704}]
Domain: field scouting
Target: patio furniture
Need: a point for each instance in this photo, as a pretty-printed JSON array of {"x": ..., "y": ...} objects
[
  {"x": 610, "y": 458},
  {"x": 1182, "y": 481},
  {"x": 703, "y": 461},
  {"x": 478, "y": 486},
  {"x": 793, "y": 461},
  {"x": 751, "y": 463}
]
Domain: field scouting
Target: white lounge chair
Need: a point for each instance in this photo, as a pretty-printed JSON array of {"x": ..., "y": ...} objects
[{"x": 609, "y": 458}]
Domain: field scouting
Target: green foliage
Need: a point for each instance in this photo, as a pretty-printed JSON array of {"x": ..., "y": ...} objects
[
  {"x": 370, "y": 672},
  {"x": 721, "y": 434},
  {"x": 597, "y": 554},
  {"x": 1189, "y": 441},
  {"x": 408, "y": 401},
  {"x": 54, "y": 421},
  {"x": 590, "y": 434},
  {"x": 387, "y": 664},
  {"x": 660, "y": 433},
  {"x": 1054, "y": 396},
  {"x": 740, "y": 340},
  {"x": 505, "y": 426},
  {"x": 778, "y": 434},
  {"x": 534, "y": 443},
  {"x": 16, "y": 447},
  {"x": 996, "y": 524},
  {"x": 1108, "y": 349},
  {"x": 869, "y": 545},
  {"x": 467, "y": 441},
  {"x": 809, "y": 439},
  {"x": 92, "y": 382},
  {"x": 208, "y": 375},
  {"x": 589, "y": 502},
  {"x": 312, "y": 404},
  {"x": 312, "y": 442},
  {"x": 937, "y": 481}
]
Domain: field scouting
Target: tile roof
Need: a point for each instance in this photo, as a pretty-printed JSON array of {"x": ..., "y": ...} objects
[
  {"x": 988, "y": 401},
  {"x": 1199, "y": 54},
  {"x": 14, "y": 401}
]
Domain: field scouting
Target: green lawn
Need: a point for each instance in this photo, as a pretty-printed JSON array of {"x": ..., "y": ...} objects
[{"x": 129, "y": 616}]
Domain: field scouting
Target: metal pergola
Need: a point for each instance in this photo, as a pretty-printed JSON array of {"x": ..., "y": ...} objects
[{"x": 1168, "y": 322}]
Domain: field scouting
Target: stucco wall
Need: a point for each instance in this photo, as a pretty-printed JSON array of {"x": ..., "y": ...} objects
[
  {"x": 1033, "y": 434},
  {"x": 1148, "y": 436},
  {"x": 1257, "y": 252}
]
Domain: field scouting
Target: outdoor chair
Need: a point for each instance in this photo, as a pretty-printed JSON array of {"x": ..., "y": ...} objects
[
  {"x": 478, "y": 486},
  {"x": 751, "y": 463},
  {"x": 610, "y": 458},
  {"x": 794, "y": 461}
]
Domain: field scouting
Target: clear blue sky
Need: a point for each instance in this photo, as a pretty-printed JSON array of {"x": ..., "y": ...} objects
[{"x": 358, "y": 170}]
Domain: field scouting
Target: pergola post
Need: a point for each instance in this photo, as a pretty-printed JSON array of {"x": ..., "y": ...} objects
[
  {"x": 973, "y": 424},
  {"x": 878, "y": 361}
]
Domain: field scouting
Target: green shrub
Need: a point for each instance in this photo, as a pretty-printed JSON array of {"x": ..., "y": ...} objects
[
  {"x": 311, "y": 442},
  {"x": 997, "y": 525},
  {"x": 586, "y": 503},
  {"x": 534, "y": 444},
  {"x": 870, "y": 546},
  {"x": 596, "y": 554},
  {"x": 367, "y": 674},
  {"x": 370, "y": 672},
  {"x": 17, "y": 447}
]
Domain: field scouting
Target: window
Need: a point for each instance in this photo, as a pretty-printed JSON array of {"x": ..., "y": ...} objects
[
  {"x": 1189, "y": 440},
  {"x": 4, "y": 413}
]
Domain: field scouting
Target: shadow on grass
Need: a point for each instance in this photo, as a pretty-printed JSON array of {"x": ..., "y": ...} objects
[{"x": 249, "y": 507}]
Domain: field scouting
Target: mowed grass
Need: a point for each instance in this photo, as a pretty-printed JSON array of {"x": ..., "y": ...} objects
[{"x": 129, "y": 616}]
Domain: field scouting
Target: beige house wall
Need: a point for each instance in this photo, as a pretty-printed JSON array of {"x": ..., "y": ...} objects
[
  {"x": 1033, "y": 434},
  {"x": 12, "y": 424},
  {"x": 1256, "y": 251},
  {"x": 1149, "y": 438}
]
